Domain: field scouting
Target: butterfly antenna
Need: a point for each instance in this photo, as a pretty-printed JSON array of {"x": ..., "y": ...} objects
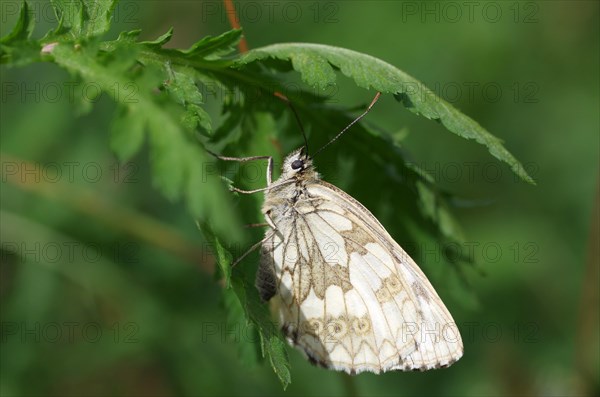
[
  {"x": 351, "y": 124},
  {"x": 289, "y": 103}
]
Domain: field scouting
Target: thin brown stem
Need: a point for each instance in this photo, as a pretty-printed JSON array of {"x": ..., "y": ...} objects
[{"x": 235, "y": 23}]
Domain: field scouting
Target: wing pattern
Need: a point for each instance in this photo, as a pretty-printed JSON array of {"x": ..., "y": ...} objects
[{"x": 350, "y": 297}]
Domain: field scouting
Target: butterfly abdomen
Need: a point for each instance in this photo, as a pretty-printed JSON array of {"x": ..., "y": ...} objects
[{"x": 265, "y": 278}]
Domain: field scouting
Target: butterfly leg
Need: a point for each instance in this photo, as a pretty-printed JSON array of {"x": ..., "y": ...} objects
[
  {"x": 251, "y": 249},
  {"x": 270, "y": 222},
  {"x": 256, "y": 225},
  {"x": 247, "y": 159}
]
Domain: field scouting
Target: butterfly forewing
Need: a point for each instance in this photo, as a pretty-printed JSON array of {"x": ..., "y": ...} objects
[{"x": 350, "y": 297}]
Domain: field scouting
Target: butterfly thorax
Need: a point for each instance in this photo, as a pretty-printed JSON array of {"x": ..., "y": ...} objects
[{"x": 290, "y": 190}]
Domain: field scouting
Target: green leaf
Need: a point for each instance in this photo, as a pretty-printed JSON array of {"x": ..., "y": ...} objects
[
  {"x": 127, "y": 132},
  {"x": 23, "y": 28},
  {"x": 234, "y": 118},
  {"x": 206, "y": 196},
  {"x": 223, "y": 257},
  {"x": 272, "y": 343},
  {"x": 129, "y": 37},
  {"x": 70, "y": 14},
  {"x": 214, "y": 47},
  {"x": 16, "y": 48},
  {"x": 99, "y": 14},
  {"x": 196, "y": 117},
  {"x": 180, "y": 167},
  {"x": 159, "y": 42},
  {"x": 249, "y": 349},
  {"x": 316, "y": 64},
  {"x": 84, "y": 18},
  {"x": 433, "y": 208},
  {"x": 183, "y": 87}
]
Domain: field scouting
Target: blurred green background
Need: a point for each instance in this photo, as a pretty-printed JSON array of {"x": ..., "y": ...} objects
[{"x": 107, "y": 287}]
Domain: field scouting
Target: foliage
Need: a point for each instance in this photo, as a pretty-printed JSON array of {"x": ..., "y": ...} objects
[{"x": 156, "y": 90}]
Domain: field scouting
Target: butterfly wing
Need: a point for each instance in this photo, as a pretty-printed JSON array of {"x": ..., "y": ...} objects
[{"x": 350, "y": 297}]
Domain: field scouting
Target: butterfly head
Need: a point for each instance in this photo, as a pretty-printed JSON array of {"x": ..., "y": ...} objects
[{"x": 297, "y": 164}]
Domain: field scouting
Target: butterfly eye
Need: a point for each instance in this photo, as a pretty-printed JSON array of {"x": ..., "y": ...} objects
[{"x": 296, "y": 164}]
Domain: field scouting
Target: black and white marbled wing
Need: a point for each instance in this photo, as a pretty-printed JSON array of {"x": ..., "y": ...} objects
[{"x": 351, "y": 298}]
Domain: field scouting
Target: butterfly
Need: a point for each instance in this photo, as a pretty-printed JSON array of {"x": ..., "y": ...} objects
[{"x": 349, "y": 297}]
